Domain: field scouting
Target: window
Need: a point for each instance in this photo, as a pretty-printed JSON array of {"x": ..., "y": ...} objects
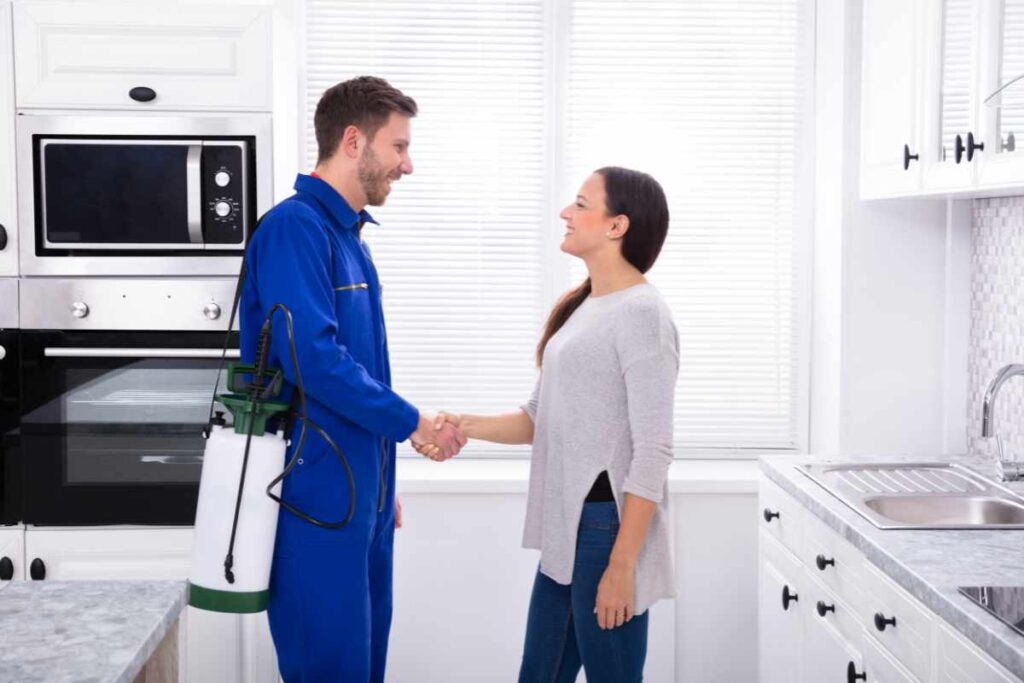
[{"x": 519, "y": 101}]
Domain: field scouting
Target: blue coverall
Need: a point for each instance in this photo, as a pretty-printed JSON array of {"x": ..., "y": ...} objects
[{"x": 330, "y": 590}]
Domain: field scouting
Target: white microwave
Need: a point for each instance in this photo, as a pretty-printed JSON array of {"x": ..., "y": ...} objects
[{"x": 109, "y": 194}]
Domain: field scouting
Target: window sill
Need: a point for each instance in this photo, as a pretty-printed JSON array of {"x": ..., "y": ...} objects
[{"x": 512, "y": 476}]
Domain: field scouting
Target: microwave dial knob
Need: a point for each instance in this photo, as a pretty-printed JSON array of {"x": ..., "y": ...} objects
[
  {"x": 79, "y": 309},
  {"x": 222, "y": 178},
  {"x": 212, "y": 311},
  {"x": 222, "y": 209}
]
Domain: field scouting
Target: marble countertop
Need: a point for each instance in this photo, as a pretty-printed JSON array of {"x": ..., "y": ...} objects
[
  {"x": 927, "y": 564},
  {"x": 95, "y": 631}
]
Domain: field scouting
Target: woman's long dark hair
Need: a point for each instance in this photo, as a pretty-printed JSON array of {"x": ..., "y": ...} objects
[{"x": 640, "y": 198}]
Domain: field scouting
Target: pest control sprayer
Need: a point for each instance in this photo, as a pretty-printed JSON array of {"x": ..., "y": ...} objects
[{"x": 240, "y": 487}]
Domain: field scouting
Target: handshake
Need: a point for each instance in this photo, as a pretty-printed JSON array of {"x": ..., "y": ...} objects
[{"x": 439, "y": 438}]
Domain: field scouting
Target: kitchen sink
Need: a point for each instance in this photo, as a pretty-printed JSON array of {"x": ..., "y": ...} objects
[{"x": 921, "y": 495}]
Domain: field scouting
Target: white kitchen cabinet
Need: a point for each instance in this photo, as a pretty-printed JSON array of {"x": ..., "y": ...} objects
[
  {"x": 780, "y": 627},
  {"x": 866, "y": 620},
  {"x": 8, "y": 191},
  {"x": 219, "y": 647},
  {"x": 12, "y": 550},
  {"x": 927, "y": 68},
  {"x": 890, "y": 98},
  {"x": 191, "y": 56}
]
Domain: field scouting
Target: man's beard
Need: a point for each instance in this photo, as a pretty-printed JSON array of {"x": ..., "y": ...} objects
[{"x": 373, "y": 178}]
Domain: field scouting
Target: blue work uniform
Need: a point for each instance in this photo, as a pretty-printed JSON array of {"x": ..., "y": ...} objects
[{"x": 330, "y": 590}]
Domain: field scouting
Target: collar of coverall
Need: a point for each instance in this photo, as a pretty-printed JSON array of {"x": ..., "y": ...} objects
[{"x": 333, "y": 201}]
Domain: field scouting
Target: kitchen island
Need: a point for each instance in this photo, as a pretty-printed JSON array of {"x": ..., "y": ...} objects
[{"x": 97, "y": 631}]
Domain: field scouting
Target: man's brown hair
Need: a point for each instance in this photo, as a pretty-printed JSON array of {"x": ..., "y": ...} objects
[{"x": 365, "y": 102}]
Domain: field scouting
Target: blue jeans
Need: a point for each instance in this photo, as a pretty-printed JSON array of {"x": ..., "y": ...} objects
[{"x": 561, "y": 630}]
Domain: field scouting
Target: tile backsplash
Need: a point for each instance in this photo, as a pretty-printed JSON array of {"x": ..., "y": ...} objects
[{"x": 997, "y": 322}]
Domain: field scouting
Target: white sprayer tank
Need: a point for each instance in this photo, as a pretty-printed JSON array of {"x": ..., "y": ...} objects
[{"x": 257, "y": 522}]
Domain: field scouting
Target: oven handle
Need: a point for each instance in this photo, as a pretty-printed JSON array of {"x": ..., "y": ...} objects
[
  {"x": 173, "y": 459},
  {"x": 59, "y": 352},
  {"x": 193, "y": 184}
]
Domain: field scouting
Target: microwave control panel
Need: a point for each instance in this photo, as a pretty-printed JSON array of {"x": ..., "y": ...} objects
[{"x": 224, "y": 193}]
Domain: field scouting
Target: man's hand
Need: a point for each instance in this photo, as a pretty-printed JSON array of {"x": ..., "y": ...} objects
[
  {"x": 398, "y": 513},
  {"x": 437, "y": 444}
]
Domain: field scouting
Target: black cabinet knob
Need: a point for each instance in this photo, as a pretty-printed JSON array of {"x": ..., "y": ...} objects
[
  {"x": 788, "y": 597},
  {"x": 824, "y": 609},
  {"x": 3, "y": 238},
  {"x": 908, "y": 157},
  {"x": 881, "y": 622},
  {"x": 6, "y": 569},
  {"x": 852, "y": 676},
  {"x": 958, "y": 149},
  {"x": 37, "y": 570},
  {"x": 769, "y": 515},
  {"x": 142, "y": 94},
  {"x": 822, "y": 562},
  {"x": 973, "y": 146}
]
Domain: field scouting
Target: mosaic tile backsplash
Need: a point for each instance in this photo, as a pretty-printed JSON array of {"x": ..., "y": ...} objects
[{"x": 997, "y": 323}]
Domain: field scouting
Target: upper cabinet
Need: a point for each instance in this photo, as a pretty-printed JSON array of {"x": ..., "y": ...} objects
[
  {"x": 928, "y": 67},
  {"x": 136, "y": 56}
]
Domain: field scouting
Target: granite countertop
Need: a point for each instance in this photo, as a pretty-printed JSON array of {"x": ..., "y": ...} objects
[
  {"x": 84, "y": 631},
  {"x": 927, "y": 564}
]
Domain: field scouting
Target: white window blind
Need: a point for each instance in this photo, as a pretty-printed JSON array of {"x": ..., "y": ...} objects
[
  {"x": 1011, "y": 114},
  {"x": 457, "y": 249},
  {"x": 957, "y": 20},
  {"x": 709, "y": 97}
]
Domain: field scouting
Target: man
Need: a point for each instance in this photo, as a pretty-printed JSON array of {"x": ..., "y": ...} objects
[{"x": 330, "y": 603}]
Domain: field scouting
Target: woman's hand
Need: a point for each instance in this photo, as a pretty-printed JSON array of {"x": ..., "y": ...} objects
[
  {"x": 440, "y": 439},
  {"x": 615, "y": 596}
]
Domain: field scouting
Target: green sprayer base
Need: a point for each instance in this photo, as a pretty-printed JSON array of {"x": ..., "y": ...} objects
[{"x": 227, "y": 601}]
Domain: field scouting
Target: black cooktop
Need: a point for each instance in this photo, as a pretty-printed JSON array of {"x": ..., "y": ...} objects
[{"x": 1005, "y": 602}]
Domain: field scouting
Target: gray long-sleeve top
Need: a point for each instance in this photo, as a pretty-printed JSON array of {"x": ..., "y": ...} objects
[{"x": 604, "y": 401}]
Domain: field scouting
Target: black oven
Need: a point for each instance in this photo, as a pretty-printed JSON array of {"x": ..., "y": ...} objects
[
  {"x": 10, "y": 477},
  {"x": 111, "y": 424}
]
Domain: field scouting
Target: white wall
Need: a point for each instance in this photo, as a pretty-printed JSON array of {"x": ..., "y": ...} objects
[{"x": 463, "y": 581}]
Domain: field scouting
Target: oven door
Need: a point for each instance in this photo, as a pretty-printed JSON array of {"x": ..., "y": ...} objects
[
  {"x": 111, "y": 433},
  {"x": 10, "y": 479}
]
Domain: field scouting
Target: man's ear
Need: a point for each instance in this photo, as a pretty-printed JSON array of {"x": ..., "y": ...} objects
[{"x": 351, "y": 142}]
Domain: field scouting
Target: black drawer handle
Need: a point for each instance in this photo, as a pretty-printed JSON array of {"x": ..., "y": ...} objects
[
  {"x": 852, "y": 676},
  {"x": 769, "y": 515},
  {"x": 142, "y": 94},
  {"x": 37, "y": 570},
  {"x": 824, "y": 609},
  {"x": 6, "y": 569},
  {"x": 908, "y": 157},
  {"x": 788, "y": 597},
  {"x": 973, "y": 147},
  {"x": 822, "y": 562},
  {"x": 881, "y": 622},
  {"x": 3, "y": 238}
]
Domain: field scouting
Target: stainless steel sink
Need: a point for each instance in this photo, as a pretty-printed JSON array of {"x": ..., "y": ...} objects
[{"x": 921, "y": 495}]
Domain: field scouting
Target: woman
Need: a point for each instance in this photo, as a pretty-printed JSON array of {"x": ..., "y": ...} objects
[{"x": 600, "y": 421}]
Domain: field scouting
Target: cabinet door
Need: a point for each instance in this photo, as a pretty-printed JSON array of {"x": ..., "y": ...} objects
[
  {"x": 12, "y": 551},
  {"x": 8, "y": 194},
  {"x": 880, "y": 667},
  {"x": 780, "y": 630},
  {"x": 951, "y": 140},
  {"x": 890, "y": 96},
  {"x": 1001, "y": 165},
  {"x": 219, "y": 647},
  {"x": 190, "y": 56},
  {"x": 827, "y": 655}
]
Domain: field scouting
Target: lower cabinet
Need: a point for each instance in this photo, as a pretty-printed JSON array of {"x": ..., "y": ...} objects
[
  {"x": 216, "y": 647},
  {"x": 828, "y": 614},
  {"x": 12, "y": 553}
]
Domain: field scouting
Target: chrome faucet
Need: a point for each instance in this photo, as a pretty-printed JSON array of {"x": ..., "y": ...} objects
[{"x": 1010, "y": 470}]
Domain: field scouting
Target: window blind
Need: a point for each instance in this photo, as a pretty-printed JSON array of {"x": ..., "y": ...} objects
[
  {"x": 517, "y": 98},
  {"x": 1011, "y": 114},
  {"x": 957, "y": 20},
  {"x": 708, "y": 98}
]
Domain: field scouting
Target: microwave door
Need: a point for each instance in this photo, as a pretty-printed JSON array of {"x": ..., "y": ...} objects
[{"x": 120, "y": 194}]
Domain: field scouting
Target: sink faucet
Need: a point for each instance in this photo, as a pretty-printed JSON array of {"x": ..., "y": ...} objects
[{"x": 1011, "y": 470}]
